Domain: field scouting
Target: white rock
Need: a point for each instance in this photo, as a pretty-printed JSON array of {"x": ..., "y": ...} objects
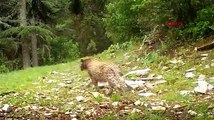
[
  {"x": 189, "y": 75},
  {"x": 80, "y": 98},
  {"x": 204, "y": 55},
  {"x": 139, "y": 72},
  {"x": 68, "y": 81},
  {"x": 138, "y": 102},
  {"x": 158, "y": 108},
  {"x": 135, "y": 110},
  {"x": 48, "y": 114},
  {"x": 184, "y": 92},
  {"x": 207, "y": 66},
  {"x": 190, "y": 70},
  {"x": 160, "y": 82},
  {"x": 70, "y": 103},
  {"x": 135, "y": 84},
  {"x": 191, "y": 112},
  {"x": 212, "y": 64},
  {"x": 95, "y": 94},
  {"x": 147, "y": 94},
  {"x": 203, "y": 87},
  {"x": 177, "y": 106},
  {"x": 54, "y": 72},
  {"x": 115, "y": 104},
  {"x": 6, "y": 107},
  {"x": 201, "y": 77},
  {"x": 74, "y": 119},
  {"x": 203, "y": 58},
  {"x": 62, "y": 84}
]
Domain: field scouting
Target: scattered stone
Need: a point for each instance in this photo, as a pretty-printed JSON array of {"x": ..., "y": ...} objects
[
  {"x": 158, "y": 108},
  {"x": 70, "y": 103},
  {"x": 74, "y": 119},
  {"x": 177, "y": 106},
  {"x": 160, "y": 82},
  {"x": 62, "y": 84},
  {"x": 95, "y": 94},
  {"x": 190, "y": 70},
  {"x": 212, "y": 64},
  {"x": 184, "y": 92},
  {"x": 204, "y": 55},
  {"x": 176, "y": 61},
  {"x": 211, "y": 78},
  {"x": 189, "y": 75},
  {"x": 135, "y": 84},
  {"x": 54, "y": 72},
  {"x": 68, "y": 81},
  {"x": 138, "y": 102},
  {"x": 79, "y": 98},
  {"x": 115, "y": 104},
  {"x": 203, "y": 87},
  {"x": 191, "y": 112},
  {"x": 201, "y": 77},
  {"x": 203, "y": 58},
  {"x": 165, "y": 68},
  {"x": 135, "y": 110},
  {"x": 207, "y": 66},
  {"x": 6, "y": 108},
  {"x": 47, "y": 114},
  {"x": 147, "y": 94},
  {"x": 139, "y": 72}
]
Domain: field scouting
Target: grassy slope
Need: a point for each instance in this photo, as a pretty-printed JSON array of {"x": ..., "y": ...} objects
[{"x": 34, "y": 82}]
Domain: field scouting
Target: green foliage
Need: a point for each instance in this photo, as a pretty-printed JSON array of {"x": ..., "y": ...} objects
[
  {"x": 116, "y": 97},
  {"x": 204, "y": 23},
  {"x": 26, "y": 31},
  {"x": 134, "y": 116},
  {"x": 60, "y": 50}
]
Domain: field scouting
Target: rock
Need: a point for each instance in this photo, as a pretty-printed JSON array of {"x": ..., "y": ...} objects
[
  {"x": 177, "y": 106},
  {"x": 184, "y": 92},
  {"x": 70, "y": 103},
  {"x": 165, "y": 68},
  {"x": 138, "y": 102},
  {"x": 207, "y": 66},
  {"x": 54, "y": 72},
  {"x": 135, "y": 84},
  {"x": 68, "y": 81},
  {"x": 62, "y": 84},
  {"x": 203, "y": 58},
  {"x": 6, "y": 108},
  {"x": 95, "y": 94},
  {"x": 79, "y": 98},
  {"x": 203, "y": 87},
  {"x": 189, "y": 75},
  {"x": 135, "y": 110},
  {"x": 158, "y": 108},
  {"x": 190, "y": 70},
  {"x": 212, "y": 64},
  {"x": 176, "y": 61},
  {"x": 115, "y": 104},
  {"x": 139, "y": 72},
  {"x": 191, "y": 112},
  {"x": 160, "y": 82},
  {"x": 147, "y": 94},
  {"x": 47, "y": 114},
  {"x": 201, "y": 77},
  {"x": 204, "y": 55},
  {"x": 74, "y": 119}
]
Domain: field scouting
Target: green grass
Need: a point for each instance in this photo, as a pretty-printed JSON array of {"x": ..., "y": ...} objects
[{"x": 34, "y": 81}]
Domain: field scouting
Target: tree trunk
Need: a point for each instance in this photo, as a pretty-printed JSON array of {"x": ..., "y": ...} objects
[
  {"x": 34, "y": 46},
  {"x": 25, "y": 47}
]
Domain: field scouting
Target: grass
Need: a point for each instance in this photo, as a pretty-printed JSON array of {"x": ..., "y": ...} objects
[{"x": 32, "y": 83}]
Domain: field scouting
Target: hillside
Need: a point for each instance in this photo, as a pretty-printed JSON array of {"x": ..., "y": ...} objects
[{"x": 59, "y": 92}]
